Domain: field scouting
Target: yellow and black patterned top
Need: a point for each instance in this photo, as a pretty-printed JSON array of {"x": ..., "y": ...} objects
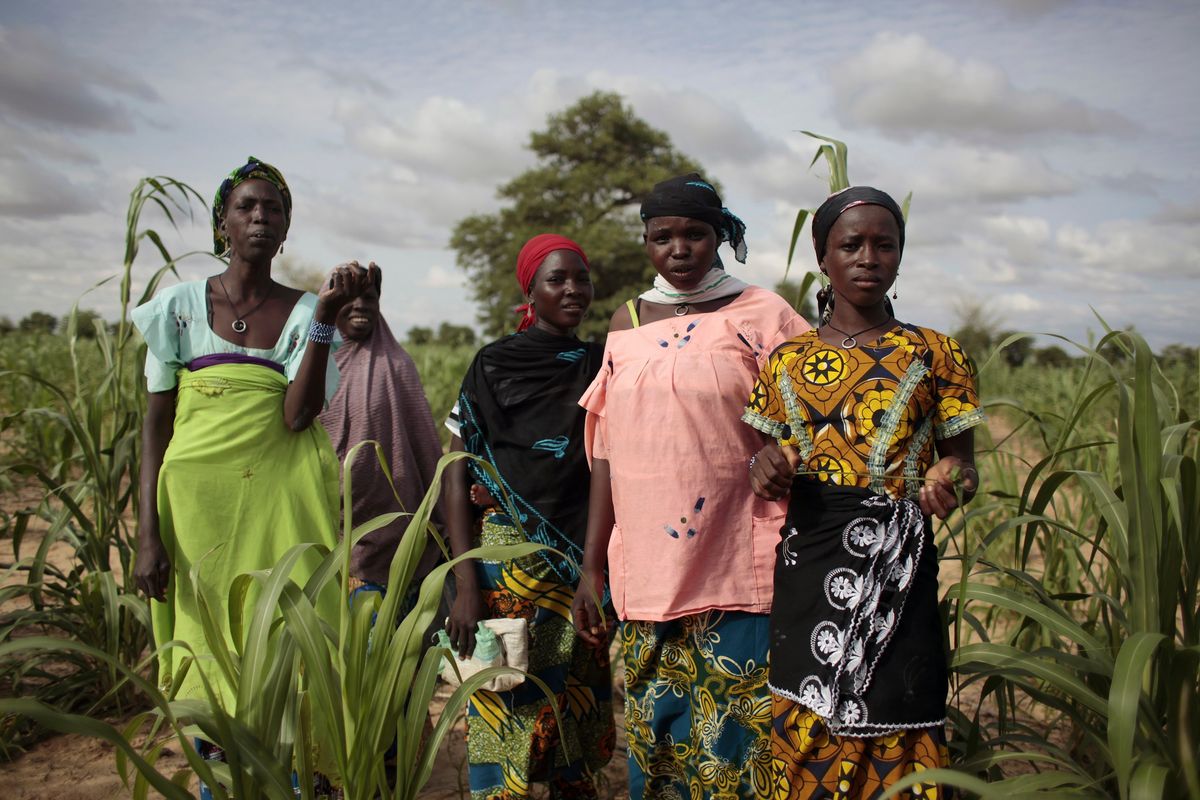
[{"x": 867, "y": 416}]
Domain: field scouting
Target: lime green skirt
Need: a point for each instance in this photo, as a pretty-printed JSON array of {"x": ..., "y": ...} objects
[{"x": 236, "y": 490}]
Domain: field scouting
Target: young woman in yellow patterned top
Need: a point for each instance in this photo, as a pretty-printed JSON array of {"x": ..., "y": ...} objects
[{"x": 871, "y": 421}]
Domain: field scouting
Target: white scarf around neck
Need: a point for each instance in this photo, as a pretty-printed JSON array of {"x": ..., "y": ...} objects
[{"x": 715, "y": 284}]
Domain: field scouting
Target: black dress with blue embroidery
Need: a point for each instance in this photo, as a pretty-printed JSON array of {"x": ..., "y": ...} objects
[{"x": 519, "y": 411}]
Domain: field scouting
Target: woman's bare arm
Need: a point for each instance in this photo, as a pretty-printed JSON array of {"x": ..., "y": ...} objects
[
  {"x": 955, "y": 467},
  {"x": 152, "y": 567},
  {"x": 589, "y": 622},
  {"x": 468, "y": 606}
]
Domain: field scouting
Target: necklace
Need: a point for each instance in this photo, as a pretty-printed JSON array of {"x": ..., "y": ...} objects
[
  {"x": 681, "y": 309},
  {"x": 239, "y": 322},
  {"x": 850, "y": 342}
]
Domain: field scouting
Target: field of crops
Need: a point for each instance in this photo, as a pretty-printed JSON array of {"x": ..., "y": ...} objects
[{"x": 1070, "y": 587}]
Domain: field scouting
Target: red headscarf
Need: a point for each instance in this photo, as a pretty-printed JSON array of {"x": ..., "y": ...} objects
[{"x": 531, "y": 257}]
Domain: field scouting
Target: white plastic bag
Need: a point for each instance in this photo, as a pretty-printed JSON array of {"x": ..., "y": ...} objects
[{"x": 498, "y": 642}]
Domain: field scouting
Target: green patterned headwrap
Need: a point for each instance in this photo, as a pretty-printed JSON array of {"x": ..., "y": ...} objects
[{"x": 253, "y": 168}]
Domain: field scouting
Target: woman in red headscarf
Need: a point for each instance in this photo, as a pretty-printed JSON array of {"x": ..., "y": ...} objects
[{"x": 518, "y": 410}]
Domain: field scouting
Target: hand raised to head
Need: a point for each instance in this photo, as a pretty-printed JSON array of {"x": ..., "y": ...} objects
[{"x": 346, "y": 282}]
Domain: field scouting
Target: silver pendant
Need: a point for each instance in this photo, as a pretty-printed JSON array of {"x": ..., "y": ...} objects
[
  {"x": 849, "y": 343},
  {"x": 681, "y": 309},
  {"x": 239, "y": 326}
]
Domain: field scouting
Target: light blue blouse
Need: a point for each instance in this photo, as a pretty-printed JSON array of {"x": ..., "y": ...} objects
[{"x": 174, "y": 324}]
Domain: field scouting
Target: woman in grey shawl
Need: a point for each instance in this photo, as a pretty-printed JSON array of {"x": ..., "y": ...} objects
[{"x": 380, "y": 397}]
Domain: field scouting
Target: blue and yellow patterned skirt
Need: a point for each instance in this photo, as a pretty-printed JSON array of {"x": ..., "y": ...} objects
[
  {"x": 697, "y": 709},
  {"x": 513, "y": 738}
]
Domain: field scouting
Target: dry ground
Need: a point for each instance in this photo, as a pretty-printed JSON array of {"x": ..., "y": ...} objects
[
  {"x": 72, "y": 767},
  {"x": 79, "y": 768}
]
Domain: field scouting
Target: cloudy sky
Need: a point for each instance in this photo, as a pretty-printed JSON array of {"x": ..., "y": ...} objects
[{"x": 1050, "y": 147}]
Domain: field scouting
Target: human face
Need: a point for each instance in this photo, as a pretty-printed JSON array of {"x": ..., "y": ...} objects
[
  {"x": 862, "y": 255},
  {"x": 358, "y": 318},
  {"x": 682, "y": 249},
  {"x": 255, "y": 223},
  {"x": 560, "y": 293}
]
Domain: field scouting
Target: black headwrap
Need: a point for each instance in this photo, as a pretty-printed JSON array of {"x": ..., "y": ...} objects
[
  {"x": 836, "y": 205},
  {"x": 822, "y": 223},
  {"x": 693, "y": 197}
]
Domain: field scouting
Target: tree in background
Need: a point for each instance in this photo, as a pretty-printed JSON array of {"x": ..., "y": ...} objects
[
  {"x": 38, "y": 322},
  {"x": 291, "y": 271},
  {"x": 978, "y": 329},
  {"x": 419, "y": 335},
  {"x": 1018, "y": 351},
  {"x": 596, "y": 161},
  {"x": 455, "y": 335},
  {"x": 85, "y": 323},
  {"x": 447, "y": 334},
  {"x": 1179, "y": 354},
  {"x": 793, "y": 292},
  {"x": 1053, "y": 356},
  {"x": 7, "y": 325}
]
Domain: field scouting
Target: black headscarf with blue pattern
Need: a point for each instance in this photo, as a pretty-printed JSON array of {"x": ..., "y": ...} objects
[{"x": 695, "y": 198}]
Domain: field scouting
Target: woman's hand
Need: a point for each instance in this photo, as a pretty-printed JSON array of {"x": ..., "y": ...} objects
[
  {"x": 773, "y": 470},
  {"x": 346, "y": 282},
  {"x": 591, "y": 625},
  {"x": 481, "y": 497},
  {"x": 465, "y": 614},
  {"x": 937, "y": 496},
  {"x": 153, "y": 569}
]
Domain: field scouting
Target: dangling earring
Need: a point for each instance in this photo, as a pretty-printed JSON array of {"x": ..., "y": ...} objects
[
  {"x": 895, "y": 294},
  {"x": 281, "y": 248}
]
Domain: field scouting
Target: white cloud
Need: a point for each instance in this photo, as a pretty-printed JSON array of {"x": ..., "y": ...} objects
[
  {"x": 1032, "y": 8},
  {"x": 972, "y": 175},
  {"x": 1024, "y": 240},
  {"x": 443, "y": 136},
  {"x": 1018, "y": 303},
  {"x": 30, "y": 190},
  {"x": 1176, "y": 214},
  {"x": 905, "y": 86},
  {"x": 1123, "y": 249},
  {"x": 439, "y": 277},
  {"x": 390, "y": 210},
  {"x": 46, "y": 83}
]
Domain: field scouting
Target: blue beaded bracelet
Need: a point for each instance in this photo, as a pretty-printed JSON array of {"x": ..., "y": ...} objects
[{"x": 320, "y": 333}]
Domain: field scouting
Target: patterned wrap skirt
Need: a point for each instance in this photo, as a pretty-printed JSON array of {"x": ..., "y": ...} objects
[
  {"x": 697, "y": 709},
  {"x": 858, "y": 663},
  {"x": 513, "y": 737}
]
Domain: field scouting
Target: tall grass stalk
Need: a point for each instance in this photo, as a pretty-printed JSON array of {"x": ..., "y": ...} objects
[
  {"x": 85, "y": 455},
  {"x": 312, "y": 695},
  {"x": 1076, "y": 613}
]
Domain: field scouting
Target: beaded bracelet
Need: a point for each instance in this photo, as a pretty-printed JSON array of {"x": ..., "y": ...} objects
[{"x": 320, "y": 332}]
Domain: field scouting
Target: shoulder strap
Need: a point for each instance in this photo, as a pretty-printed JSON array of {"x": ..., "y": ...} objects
[{"x": 633, "y": 312}]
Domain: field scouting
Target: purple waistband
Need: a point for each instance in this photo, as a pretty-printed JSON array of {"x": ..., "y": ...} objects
[{"x": 232, "y": 358}]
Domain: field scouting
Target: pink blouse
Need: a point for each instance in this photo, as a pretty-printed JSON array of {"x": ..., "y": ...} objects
[{"x": 665, "y": 411}]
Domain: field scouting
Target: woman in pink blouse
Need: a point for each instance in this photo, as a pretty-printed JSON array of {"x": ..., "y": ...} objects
[{"x": 688, "y": 548}]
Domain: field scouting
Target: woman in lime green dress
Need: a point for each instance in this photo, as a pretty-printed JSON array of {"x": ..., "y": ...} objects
[{"x": 234, "y": 472}]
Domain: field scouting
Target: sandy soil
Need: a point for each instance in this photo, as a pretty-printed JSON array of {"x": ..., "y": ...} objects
[{"x": 73, "y": 767}]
